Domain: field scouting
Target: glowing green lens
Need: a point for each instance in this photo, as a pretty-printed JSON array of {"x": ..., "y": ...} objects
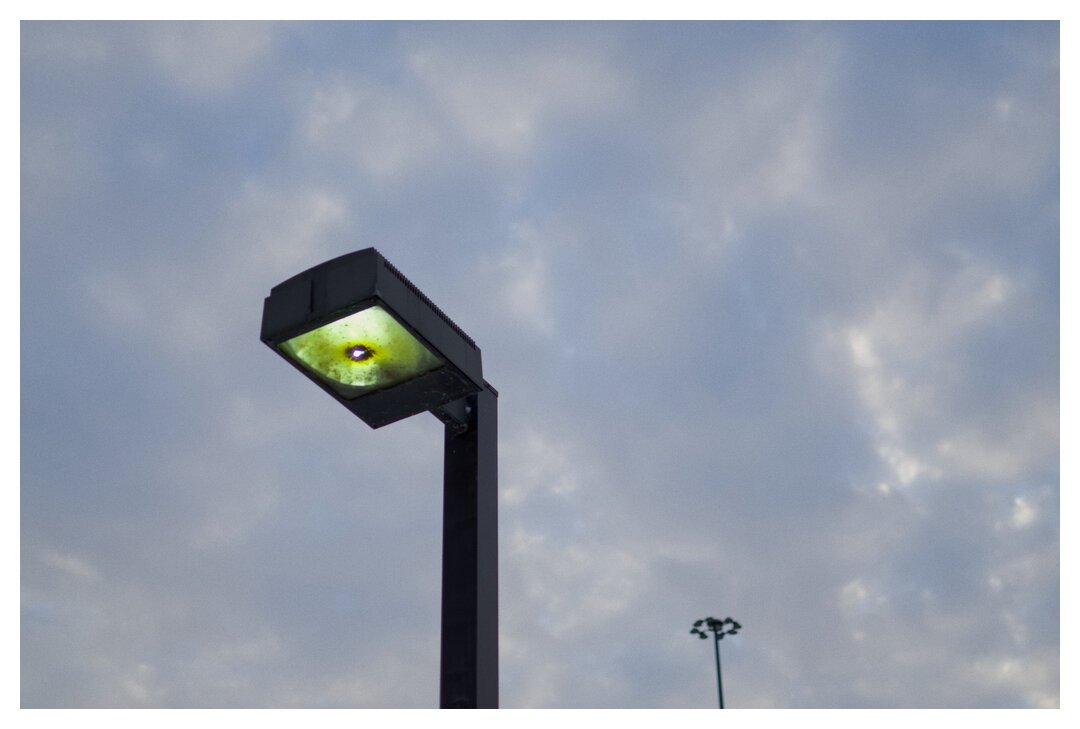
[{"x": 365, "y": 351}]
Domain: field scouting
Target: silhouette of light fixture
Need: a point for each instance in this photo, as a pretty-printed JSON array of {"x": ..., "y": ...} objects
[
  {"x": 369, "y": 338},
  {"x": 719, "y": 631},
  {"x": 372, "y": 340}
]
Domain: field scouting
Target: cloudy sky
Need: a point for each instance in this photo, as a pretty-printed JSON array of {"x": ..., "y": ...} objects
[{"x": 772, "y": 309}]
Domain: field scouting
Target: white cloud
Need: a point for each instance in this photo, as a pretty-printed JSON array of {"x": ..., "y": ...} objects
[
  {"x": 527, "y": 296},
  {"x": 571, "y": 594},
  {"x": 538, "y": 465},
  {"x": 1031, "y": 676},
  {"x": 1024, "y": 514},
  {"x": 117, "y": 297},
  {"x": 757, "y": 140},
  {"x": 70, "y": 565},
  {"x": 383, "y": 132},
  {"x": 285, "y": 227},
  {"x": 503, "y": 103},
  {"x": 156, "y": 304},
  {"x": 853, "y": 594},
  {"x": 207, "y": 59},
  {"x": 139, "y": 686},
  {"x": 1027, "y": 434},
  {"x": 858, "y": 598},
  {"x": 234, "y": 509},
  {"x": 907, "y": 362}
]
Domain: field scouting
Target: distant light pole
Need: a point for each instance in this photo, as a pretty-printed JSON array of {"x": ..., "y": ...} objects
[
  {"x": 718, "y": 631},
  {"x": 372, "y": 341}
]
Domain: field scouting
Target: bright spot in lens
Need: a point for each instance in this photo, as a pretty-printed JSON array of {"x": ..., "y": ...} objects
[{"x": 358, "y": 353}]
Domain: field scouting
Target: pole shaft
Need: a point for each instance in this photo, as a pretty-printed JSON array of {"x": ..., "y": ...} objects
[
  {"x": 719, "y": 683},
  {"x": 469, "y": 659}
]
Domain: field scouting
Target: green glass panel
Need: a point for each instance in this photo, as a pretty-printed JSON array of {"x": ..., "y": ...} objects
[{"x": 365, "y": 351}]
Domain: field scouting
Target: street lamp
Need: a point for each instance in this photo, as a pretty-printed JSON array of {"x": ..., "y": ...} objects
[
  {"x": 368, "y": 337},
  {"x": 719, "y": 631}
]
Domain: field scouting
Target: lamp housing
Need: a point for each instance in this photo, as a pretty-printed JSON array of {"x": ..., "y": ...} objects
[{"x": 370, "y": 339}]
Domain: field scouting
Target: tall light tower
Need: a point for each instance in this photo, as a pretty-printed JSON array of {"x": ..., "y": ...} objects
[{"x": 719, "y": 629}]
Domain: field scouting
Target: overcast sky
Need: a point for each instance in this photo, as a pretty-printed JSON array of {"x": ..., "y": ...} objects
[{"x": 772, "y": 309}]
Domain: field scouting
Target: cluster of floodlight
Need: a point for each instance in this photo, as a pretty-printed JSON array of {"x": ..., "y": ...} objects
[{"x": 716, "y": 626}]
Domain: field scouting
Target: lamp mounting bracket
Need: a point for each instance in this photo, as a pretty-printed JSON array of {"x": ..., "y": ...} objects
[{"x": 455, "y": 414}]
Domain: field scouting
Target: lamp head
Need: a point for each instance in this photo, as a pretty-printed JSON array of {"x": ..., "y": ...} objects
[{"x": 372, "y": 340}]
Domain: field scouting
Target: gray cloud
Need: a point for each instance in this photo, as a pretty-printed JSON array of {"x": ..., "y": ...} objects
[{"x": 772, "y": 310}]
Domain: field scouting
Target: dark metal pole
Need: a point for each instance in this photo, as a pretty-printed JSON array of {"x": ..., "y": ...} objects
[
  {"x": 719, "y": 685},
  {"x": 469, "y": 662}
]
